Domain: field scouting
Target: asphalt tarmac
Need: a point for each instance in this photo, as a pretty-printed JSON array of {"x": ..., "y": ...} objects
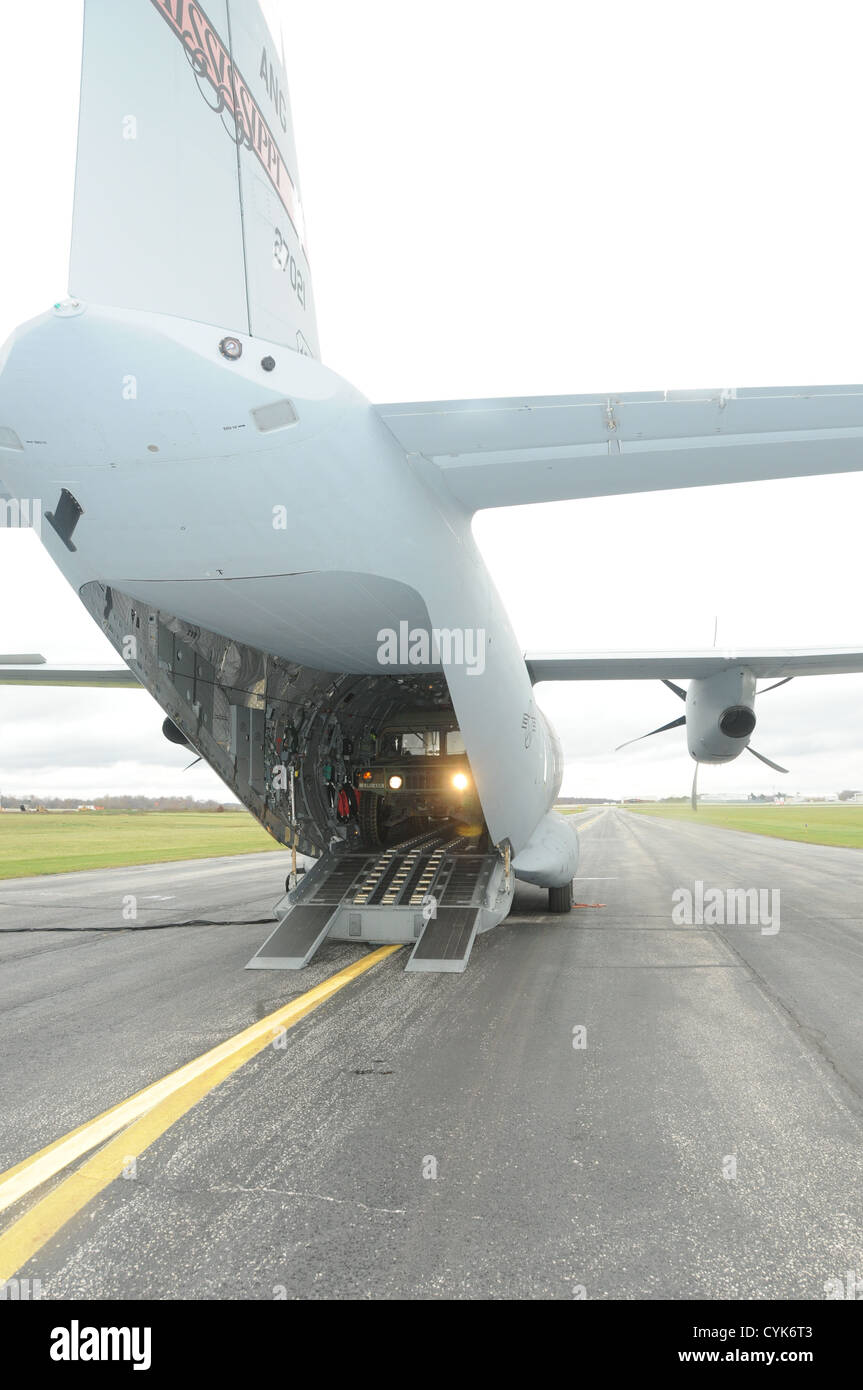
[{"x": 616, "y": 1104}]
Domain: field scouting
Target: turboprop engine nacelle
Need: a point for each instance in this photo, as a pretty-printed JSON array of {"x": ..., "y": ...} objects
[{"x": 720, "y": 715}]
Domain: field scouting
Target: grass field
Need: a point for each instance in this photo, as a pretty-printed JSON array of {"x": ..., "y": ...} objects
[
  {"x": 62, "y": 842},
  {"x": 830, "y": 824},
  {"x": 59, "y": 843}
]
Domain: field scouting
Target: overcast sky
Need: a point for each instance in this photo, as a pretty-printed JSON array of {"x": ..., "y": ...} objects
[{"x": 513, "y": 200}]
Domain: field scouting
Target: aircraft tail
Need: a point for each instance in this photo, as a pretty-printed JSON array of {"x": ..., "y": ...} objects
[{"x": 186, "y": 193}]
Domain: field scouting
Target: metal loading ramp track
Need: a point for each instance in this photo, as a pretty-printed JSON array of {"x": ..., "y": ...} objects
[{"x": 433, "y": 892}]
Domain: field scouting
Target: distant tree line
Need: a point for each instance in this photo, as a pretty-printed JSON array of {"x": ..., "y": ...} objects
[
  {"x": 583, "y": 801},
  {"x": 117, "y": 803}
]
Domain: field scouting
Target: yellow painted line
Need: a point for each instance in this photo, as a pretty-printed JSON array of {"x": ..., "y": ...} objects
[{"x": 148, "y": 1114}]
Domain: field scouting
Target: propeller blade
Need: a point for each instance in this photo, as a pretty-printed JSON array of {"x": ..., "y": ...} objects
[
  {"x": 193, "y": 764},
  {"x": 675, "y": 688},
  {"x": 776, "y": 685},
  {"x": 693, "y": 799},
  {"x": 675, "y": 724},
  {"x": 761, "y": 758}
]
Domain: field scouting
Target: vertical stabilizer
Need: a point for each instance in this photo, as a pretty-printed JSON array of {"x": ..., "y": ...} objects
[{"x": 186, "y": 193}]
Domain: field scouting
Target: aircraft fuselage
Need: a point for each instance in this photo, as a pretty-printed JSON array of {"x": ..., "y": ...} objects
[{"x": 261, "y": 499}]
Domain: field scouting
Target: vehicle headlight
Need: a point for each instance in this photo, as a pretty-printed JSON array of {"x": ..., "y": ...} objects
[
  {"x": 395, "y": 782},
  {"x": 460, "y": 781}
]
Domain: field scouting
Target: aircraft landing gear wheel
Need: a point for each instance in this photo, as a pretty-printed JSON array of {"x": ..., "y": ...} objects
[{"x": 560, "y": 899}]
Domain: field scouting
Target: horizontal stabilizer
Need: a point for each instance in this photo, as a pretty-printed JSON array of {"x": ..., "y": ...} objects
[
  {"x": 503, "y": 453},
  {"x": 637, "y": 666}
]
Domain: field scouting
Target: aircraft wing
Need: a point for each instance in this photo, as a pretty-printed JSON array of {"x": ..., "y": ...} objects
[
  {"x": 502, "y": 453},
  {"x": 35, "y": 670},
  {"x": 635, "y": 666}
]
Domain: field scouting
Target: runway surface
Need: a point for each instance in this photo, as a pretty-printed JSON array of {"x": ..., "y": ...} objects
[{"x": 604, "y": 1171}]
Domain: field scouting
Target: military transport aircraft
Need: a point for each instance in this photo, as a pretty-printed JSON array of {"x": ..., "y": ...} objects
[{"x": 348, "y": 670}]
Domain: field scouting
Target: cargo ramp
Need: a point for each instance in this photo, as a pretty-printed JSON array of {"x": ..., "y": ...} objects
[{"x": 434, "y": 892}]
